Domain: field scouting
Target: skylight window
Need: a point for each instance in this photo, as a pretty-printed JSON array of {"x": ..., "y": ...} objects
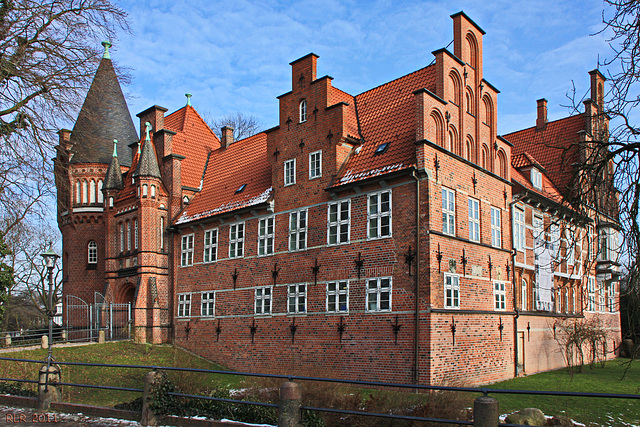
[
  {"x": 382, "y": 148},
  {"x": 241, "y": 188}
]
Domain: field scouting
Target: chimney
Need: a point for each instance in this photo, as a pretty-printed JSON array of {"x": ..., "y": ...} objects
[
  {"x": 227, "y": 136},
  {"x": 541, "y": 121},
  {"x": 303, "y": 71}
]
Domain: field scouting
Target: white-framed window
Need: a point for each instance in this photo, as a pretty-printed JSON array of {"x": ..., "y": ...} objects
[
  {"x": 208, "y": 304},
  {"x": 573, "y": 296},
  {"x": 135, "y": 233},
  {"x": 266, "y": 236},
  {"x": 536, "y": 178},
  {"x": 303, "y": 111},
  {"x": 100, "y": 194},
  {"x": 451, "y": 291},
  {"x": 554, "y": 235},
  {"x": 379, "y": 214},
  {"x": 161, "y": 233},
  {"x": 448, "y": 212},
  {"x": 496, "y": 227},
  {"x": 290, "y": 172},
  {"x": 298, "y": 230},
  {"x": 184, "y": 305},
  {"x": 153, "y": 191},
  {"x": 592, "y": 243},
  {"x": 315, "y": 164},
  {"x": 210, "y": 245},
  {"x": 186, "y": 257},
  {"x": 602, "y": 297},
  {"x": 566, "y": 300},
  {"x": 538, "y": 230},
  {"x": 379, "y": 294},
  {"x": 338, "y": 297},
  {"x": 236, "y": 240},
  {"x": 611, "y": 297},
  {"x": 121, "y": 237},
  {"x": 518, "y": 228},
  {"x": 474, "y": 220},
  {"x": 591, "y": 294},
  {"x": 499, "y": 296},
  {"x": 570, "y": 255},
  {"x": 78, "y": 193},
  {"x": 92, "y": 192},
  {"x": 263, "y": 300},
  {"x": 111, "y": 201},
  {"x": 92, "y": 256},
  {"x": 297, "y": 297},
  {"x": 339, "y": 221},
  {"x": 128, "y": 235},
  {"x": 524, "y": 295},
  {"x": 84, "y": 192},
  {"x": 607, "y": 244},
  {"x": 145, "y": 190}
]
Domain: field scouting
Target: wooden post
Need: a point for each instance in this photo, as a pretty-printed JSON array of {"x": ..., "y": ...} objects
[
  {"x": 149, "y": 418},
  {"x": 290, "y": 403},
  {"x": 486, "y": 412}
]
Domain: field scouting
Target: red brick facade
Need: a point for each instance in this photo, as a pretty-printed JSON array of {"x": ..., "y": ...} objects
[{"x": 366, "y": 235}]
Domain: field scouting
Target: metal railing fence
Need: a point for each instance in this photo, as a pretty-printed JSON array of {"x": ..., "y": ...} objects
[{"x": 374, "y": 384}]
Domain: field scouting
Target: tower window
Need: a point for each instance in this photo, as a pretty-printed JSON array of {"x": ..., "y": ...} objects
[
  {"x": 92, "y": 256},
  {"x": 303, "y": 111}
]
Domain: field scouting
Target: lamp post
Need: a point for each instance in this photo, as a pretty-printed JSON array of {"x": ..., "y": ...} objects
[{"x": 49, "y": 258}]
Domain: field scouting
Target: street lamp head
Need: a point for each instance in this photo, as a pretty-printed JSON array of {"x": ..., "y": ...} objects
[{"x": 49, "y": 257}]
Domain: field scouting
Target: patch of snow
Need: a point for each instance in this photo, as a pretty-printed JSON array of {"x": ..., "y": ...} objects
[
  {"x": 350, "y": 176},
  {"x": 260, "y": 198}
]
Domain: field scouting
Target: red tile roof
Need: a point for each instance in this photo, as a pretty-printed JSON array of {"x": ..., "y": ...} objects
[
  {"x": 387, "y": 114},
  {"x": 194, "y": 140},
  {"x": 554, "y": 147},
  {"x": 522, "y": 182},
  {"x": 243, "y": 162}
]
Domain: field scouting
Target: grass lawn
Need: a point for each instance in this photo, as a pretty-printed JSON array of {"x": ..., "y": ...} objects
[
  {"x": 589, "y": 411},
  {"x": 122, "y": 353}
]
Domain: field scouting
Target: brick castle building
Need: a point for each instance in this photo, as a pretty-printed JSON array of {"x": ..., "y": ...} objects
[{"x": 390, "y": 235}]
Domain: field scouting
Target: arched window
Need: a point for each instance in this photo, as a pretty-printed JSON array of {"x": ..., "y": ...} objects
[
  {"x": 84, "y": 192},
  {"x": 457, "y": 87},
  {"x": 488, "y": 110},
  {"x": 485, "y": 157},
  {"x": 469, "y": 148},
  {"x": 153, "y": 191},
  {"x": 78, "y": 193},
  {"x": 128, "y": 236},
  {"x": 501, "y": 168},
  {"x": 473, "y": 50},
  {"x": 524, "y": 295},
  {"x": 92, "y": 249},
  {"x": 185, "y": 200},
  {"x": 135, "y": 233},
  {"x": 92, "y": 192},
  {"x": 303, "y": 110},
  {"x": 161, "y": 233},
  {"x": 453, "y": 141},
  {"x": 121, "y": 237},
  {"x": 437, "y": 125},
  {"x": 100, "y": 195},
  {"x": 111, "y": 201},
  {"x": 144, "y": 190},
  {"x": 470, "y": 104}
]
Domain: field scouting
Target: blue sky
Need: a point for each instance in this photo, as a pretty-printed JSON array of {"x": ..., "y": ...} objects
[{"x": 234, "y": 55}]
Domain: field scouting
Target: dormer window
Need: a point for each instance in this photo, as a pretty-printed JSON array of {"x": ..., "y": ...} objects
[
  {"x": 303, "y": 111},
  {"x": 536, "y": 178}
]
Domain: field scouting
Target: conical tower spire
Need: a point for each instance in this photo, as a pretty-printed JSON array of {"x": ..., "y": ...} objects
[
  {"x": 104, "y": 116},
  {"x": 113, "y": 179},
  {"x": 148, "y": 163}
]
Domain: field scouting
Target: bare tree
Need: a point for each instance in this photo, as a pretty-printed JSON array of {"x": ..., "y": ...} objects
[
  {"x": 48, "y": 55},
  {"x": 243, "y": 126}
]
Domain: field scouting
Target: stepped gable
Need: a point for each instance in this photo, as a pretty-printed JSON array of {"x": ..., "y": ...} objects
[
  {"x": 387, "y": 114},
  {"x": 554, "y": 146},
  {"x": 104, "y": 117},
  {"x": 194, "y": 140},
  {"x": 243, "y": 162}
]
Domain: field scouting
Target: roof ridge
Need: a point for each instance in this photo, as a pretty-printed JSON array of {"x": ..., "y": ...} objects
[
  {"x": 395, "y": 80},
  {"x": 547, "y": 124},
  {"x": 189, "y": 108}
]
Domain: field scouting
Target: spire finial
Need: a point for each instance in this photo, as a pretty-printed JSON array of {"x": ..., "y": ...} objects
[
  {"x": 107, "y": 45},
  {"x": 147, "y": 129},
  {"x": 188, "y": 95},
  {"x": 115, "y": 148}
]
